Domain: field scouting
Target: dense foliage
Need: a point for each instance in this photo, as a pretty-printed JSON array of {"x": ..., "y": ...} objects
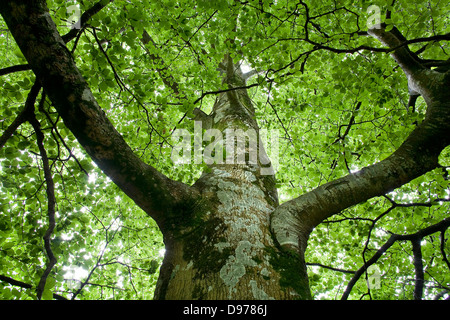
[{"x": 339, "y": 102}]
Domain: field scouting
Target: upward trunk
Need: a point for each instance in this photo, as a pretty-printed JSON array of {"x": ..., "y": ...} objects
[{"x": 223, "y": 247}]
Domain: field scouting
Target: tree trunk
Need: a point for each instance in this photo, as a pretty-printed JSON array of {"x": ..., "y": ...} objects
[{"x": 224, "y": 249}]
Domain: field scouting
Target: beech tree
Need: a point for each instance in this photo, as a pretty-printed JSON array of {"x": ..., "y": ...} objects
[{"x": 107, "y": 107}]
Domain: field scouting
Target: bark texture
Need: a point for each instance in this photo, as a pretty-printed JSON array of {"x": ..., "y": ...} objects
[{"x": 226, "y": 250}]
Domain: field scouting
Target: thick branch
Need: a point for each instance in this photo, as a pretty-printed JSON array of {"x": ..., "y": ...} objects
[
  {"x": 26, "y": 286},
  {"x": 16, "y": 68},
  {"x": 15, "y": 282},
  {"x": 442, "y": 247},
  {"x": 407, "y": 60},
  {"x": 43, "y": 47},
  {"x": 294, "y": 220}
]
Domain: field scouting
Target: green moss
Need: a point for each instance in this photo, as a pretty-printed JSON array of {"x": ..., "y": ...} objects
[
  {"x": 292, "y": 269},
  {"x": 191, "y": 223},
  {"x": 185, "y": 216},
  {"x": 199, "y": 247},
  {"x": 199, "y": 293}
]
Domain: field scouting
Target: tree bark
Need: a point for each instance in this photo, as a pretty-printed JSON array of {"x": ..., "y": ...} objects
[{"x": 226, "y": 250}]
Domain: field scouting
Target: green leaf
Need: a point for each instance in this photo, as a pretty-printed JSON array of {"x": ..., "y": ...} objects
[
  {"x": 47, "y": 294},
  {"x": 389, "y": 27},
  {"x": 23, "y": 144},
  {"x": 50, "y": 283}
]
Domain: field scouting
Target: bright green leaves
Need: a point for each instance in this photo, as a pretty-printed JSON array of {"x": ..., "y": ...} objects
[
  {"x": 15, "y": 90},
  {"x": 444, "y": 158},
  {"x": 47, "y": 294},
  {"x": 309, "y": 95},
  {"x": 215, "y": 5}
]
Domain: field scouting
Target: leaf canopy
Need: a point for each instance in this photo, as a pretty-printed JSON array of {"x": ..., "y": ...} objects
[{"x": 338, "y": 108}]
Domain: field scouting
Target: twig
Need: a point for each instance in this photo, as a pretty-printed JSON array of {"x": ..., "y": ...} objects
[
  {"x": 19, "y": 67},
  {"x": 415, "y": 237},
  {"x": 224, "y": 90},
  {"x": 330, "y": 268},
  {"x": 22, "y": 117},
  {"x": 51, "y": 201}
]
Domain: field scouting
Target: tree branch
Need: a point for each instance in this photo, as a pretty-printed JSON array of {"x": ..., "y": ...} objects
[
  {"x": 16, "y": 68},
  {"x": 407, "y": 60},
  {"x": 442, "y": 247},
  {"x": 24, "y": 285},
  {"x": 16, "y": 283},
  {"x": 349, "y": 125},
  {"x": 364, "y": 268},
  {"x": 401, "y": 53},
  {"x": 293, "y": 221},
  {"x": 22, "y": 117},
  {"x": 38, "y": 38},
  {"x": 51, "y": 201},
  {"x": 414, "y": 238}
]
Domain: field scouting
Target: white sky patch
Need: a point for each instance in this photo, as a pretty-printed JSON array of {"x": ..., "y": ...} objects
[
  {"x": 245, "y": 67},
  {"x": 354, "y": 169},
  {"x": 67, "y": 236},
  {"x": 92, "y": 177},
  {"x": 75, "y": 275},
  {"x": 116, "y": 225}
]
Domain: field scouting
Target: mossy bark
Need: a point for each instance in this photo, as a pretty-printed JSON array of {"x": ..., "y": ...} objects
[{"x": 227, "y": 250}]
